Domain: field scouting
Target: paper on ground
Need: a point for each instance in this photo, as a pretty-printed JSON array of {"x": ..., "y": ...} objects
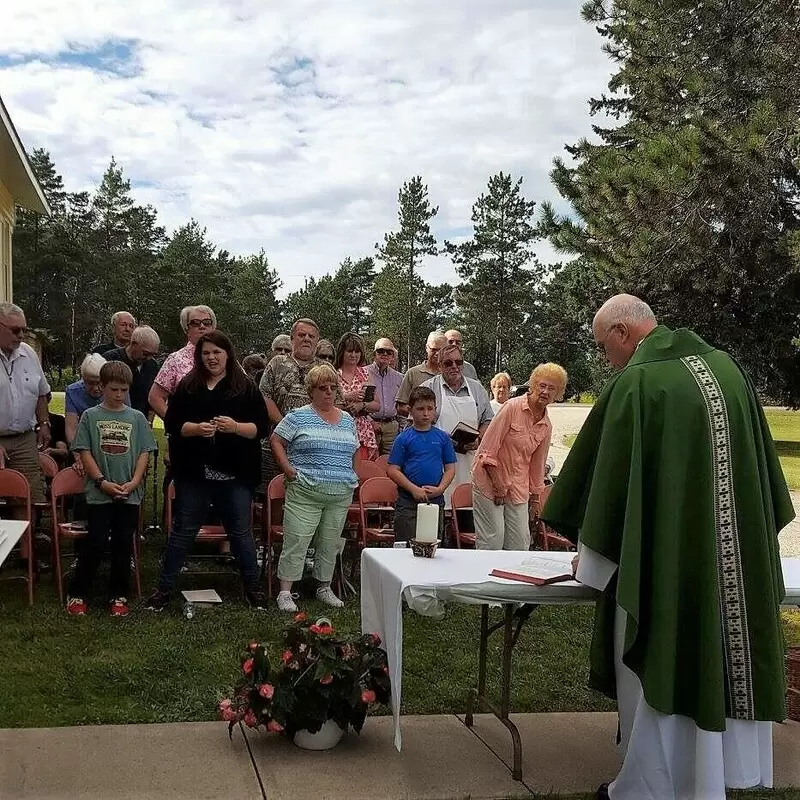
[{"x": 201, "y": 596}]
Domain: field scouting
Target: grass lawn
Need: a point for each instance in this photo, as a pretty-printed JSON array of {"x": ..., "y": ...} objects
[{"x": 785, "y": 427}]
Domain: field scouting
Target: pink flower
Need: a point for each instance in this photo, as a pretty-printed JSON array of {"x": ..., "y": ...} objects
[
  {"x": 252, "y": 647},
  {"x": 300, "y": 616},
  {"x": 266, "y": 690},
  {"x": 326, "y": 679},
  {"x": 229, "y": 715},
  {"x": 273, "y": 726},
  {"x": 247, "y": 666},
  {"x": 223, "y": 704},
  {"x": 367, "y": 696},
  {"x": 322, "y": 630},
  {"x": 287, "y": 656},
  {"x": 250, "y": 719},
  {"x": 375, "y": 639}
]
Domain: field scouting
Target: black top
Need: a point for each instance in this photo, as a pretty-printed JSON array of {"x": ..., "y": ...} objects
[
  {"x": 58, "y": 429},
  {"x": 102, "y": 349},
  {"x": 224, "y": 452},
  {"x": 143, "y": 376}
]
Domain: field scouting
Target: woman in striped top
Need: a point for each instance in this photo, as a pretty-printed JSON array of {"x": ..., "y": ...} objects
[{"x": 315, "y": 447}]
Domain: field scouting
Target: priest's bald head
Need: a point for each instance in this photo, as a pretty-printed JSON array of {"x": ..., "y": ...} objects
[{"x": 620, "y": 324}]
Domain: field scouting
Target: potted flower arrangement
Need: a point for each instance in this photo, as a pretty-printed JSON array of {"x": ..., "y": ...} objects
[{"x": 321, "y": 686}]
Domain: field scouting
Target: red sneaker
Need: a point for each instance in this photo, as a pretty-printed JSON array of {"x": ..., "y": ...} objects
[
  {"x": 119, "y": 607},
  {"x": 76, "y": 607}
]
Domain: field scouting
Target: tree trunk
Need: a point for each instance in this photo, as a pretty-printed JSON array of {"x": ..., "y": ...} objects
[{"x": 410, "y": 303}]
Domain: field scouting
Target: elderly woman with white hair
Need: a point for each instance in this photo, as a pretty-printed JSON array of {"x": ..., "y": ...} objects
[
  {"x": 501, "y": 390},
  {"x": 84, "y": 393},
  {"x": 195, "y": 321},
  {"x": 509, "y": 470}
]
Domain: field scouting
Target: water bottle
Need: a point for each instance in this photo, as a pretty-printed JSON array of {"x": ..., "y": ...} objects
[{"x": 188, "y": 611}]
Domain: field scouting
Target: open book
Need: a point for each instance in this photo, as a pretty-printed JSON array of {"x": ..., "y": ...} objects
[
  {"x": 464, "y": 434},
  {"x": 538, "y": 570}
]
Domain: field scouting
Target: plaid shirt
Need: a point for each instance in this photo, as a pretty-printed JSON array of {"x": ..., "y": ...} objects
[{"x": 283, "y": 382}]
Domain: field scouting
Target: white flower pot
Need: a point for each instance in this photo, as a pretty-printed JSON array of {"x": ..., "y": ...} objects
[{"x": 328, "y": 736}]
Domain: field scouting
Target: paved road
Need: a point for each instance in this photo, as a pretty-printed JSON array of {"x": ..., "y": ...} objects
[{"x": 567, "y": 420}]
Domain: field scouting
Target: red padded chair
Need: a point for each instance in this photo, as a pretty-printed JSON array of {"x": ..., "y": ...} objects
[
  {"x": 543, "y": 537},
  {"x": 462, "y": 499},
  {"x": 272, "y": 525},
  {"x": 14, "y": 486},
  {"x": 376, "y": 495}
]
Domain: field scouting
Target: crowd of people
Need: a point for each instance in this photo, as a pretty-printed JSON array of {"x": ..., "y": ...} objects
[{"x": 309, "y": 410}]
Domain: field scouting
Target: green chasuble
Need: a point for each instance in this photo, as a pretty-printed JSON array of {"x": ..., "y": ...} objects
[{"x": 674, "y": 477}]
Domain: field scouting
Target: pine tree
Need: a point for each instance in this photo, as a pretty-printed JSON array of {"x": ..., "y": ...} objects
[{"x": 406, "y": 248}]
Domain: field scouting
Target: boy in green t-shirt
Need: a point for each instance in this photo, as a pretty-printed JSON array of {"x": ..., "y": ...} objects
[{"x": 114, "y": 443}]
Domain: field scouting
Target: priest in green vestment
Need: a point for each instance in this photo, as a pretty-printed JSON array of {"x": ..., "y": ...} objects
[{"x": 675, "y": 496}]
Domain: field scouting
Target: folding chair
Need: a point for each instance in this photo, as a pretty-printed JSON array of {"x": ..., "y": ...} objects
[
  {"x": 383, "y": 461},
  {"x": 543, "y": 537},
  {"x": 14, "y": 486},
  {"x": 272, "y": 526},
  {"x": 376, "y": 495},
  {"x": 461, "y": 500},
  {"x": 49, "y": 469},
  {"x": 369, "y": 469},
  {"x": 67, "y": 483}
]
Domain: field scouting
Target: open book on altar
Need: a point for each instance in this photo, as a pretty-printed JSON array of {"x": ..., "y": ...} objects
[{"x": 538, "y": 570}]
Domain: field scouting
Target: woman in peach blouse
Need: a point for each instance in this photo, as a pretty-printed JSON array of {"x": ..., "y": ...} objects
[{"x": 508, "y": 475}]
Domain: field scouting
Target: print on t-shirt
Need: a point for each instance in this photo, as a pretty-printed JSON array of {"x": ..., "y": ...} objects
[{"x": 115, "y": 437}]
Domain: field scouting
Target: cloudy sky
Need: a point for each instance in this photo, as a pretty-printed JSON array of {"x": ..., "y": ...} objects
[{"x": 291, "y": 125}]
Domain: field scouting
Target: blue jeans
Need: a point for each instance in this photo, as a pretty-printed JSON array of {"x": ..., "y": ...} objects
[{"x": 232, "y": 504}]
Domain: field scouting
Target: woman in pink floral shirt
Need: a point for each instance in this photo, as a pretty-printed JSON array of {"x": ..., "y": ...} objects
[
  {"x": 351, "y": 363},
  {"x": 195, "y": 321}
]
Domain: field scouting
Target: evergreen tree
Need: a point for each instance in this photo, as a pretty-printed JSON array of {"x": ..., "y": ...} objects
[
  {"x": 690, "y": 200},
  {"x": 406, "y": 248}
]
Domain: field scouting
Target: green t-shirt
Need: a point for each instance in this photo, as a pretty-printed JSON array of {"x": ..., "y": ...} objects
[{"x": 115, "y": 439}]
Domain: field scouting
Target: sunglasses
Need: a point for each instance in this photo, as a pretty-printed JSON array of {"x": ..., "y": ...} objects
[
  {"x": 17, "y": 330},
  {"x": 451, "y": 363},
  {"x": 384, "y": 351},
  {"x": 284, "y": 350},
  {"x": 201, "y": 323},
  {"x": 326, "y": 356}
]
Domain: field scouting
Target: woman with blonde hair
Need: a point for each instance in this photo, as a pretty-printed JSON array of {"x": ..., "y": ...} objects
[
  {"x": 509, "y": 470},
  {"x": 315, "y": 447},
  {"x": 501, "y": 390}
]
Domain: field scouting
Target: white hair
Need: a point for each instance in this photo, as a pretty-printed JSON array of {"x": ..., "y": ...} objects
[
  {"x": 117, "y": 314},
  {"x": 434, "y": 335},
  {"x": 624, "y": 309},
  {"x": 145, "y": 335},
  {"x": 91, "y": 365},
  {"x": 186, "y": 312},
  {"x": 10, "y": 310}
]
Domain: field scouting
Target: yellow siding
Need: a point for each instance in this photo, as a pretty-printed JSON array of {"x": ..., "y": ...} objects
[{"x": 6, "y": 228}]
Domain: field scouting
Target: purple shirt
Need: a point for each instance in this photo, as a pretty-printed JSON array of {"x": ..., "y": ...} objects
[{"x": 387, "y": 385}]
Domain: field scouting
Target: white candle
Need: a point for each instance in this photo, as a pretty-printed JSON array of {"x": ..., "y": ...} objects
[{"x": 427, "y": 522}]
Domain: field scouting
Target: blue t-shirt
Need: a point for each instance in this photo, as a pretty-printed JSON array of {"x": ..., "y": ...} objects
[
  {"x": 77, "y": 399},
  {"x": 422, "y": 455},
  {"x": 321, "y": 452}
]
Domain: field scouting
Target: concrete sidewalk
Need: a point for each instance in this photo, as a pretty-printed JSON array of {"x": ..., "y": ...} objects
[{"x": 441, "y": 758}]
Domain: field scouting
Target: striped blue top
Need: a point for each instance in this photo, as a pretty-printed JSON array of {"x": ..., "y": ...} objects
[{"x": 321, "y": 452}]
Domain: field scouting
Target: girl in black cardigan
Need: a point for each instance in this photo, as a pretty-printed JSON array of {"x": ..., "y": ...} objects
[{"x": 215, "y": 421}]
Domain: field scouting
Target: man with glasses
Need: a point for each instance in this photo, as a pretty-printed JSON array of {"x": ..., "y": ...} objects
[
  {"x": 387, "y": 382},
  {"x": 454, "y": 337},
  {"x": 459, "y": 400},
  {"x": 675, "y": 496},
  {"x": 122, "y": 323},
  {"x": 140, "y": 355},
  {"x": 24, "y": 420},
  {"x": 417, "y": 375},
  {"x": 195, "y": 321}
]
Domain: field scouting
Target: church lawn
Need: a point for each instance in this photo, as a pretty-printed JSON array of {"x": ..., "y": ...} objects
[{"x": 785, "y": 427}]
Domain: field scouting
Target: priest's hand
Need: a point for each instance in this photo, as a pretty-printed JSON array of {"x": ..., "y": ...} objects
[{"x": 575, "y": 566}]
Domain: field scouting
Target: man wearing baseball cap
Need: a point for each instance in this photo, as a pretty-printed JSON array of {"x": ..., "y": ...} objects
[{"x": 387, "y": 383}]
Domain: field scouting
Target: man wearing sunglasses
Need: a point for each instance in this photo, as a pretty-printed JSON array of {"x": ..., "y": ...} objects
[
  {"x": 459, "y": 400},
  {"x": 122, "y": 323},
  {"x": 387, "y": 383},
  {"x": 140, "y": 355},
  {"x": 675, "y": 496},
  {"x": 454, "y": 337},
  {"x": 195, "y": 321},
  {"x": 24, "y": 419}
]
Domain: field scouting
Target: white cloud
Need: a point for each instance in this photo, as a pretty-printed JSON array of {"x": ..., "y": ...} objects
[{"x": 291, "y": 126}]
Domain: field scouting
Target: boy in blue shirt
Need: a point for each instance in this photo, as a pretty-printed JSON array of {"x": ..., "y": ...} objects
[{"x": 422, "y": 464}]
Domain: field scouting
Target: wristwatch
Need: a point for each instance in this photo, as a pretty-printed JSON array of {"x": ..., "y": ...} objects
[{"x": 98, "y": 482}]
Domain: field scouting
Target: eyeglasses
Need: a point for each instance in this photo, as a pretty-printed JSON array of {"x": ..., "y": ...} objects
[
  {"x": 547, "y": 387},
  {"x": 201, "y": 323},
  {"x": 283, "y": 350},
  {"x": 326, "y": 356},
  {"x": 17, "y": 330},
  {"x": 326, "y": 387},
  {"x": 452, "y": 363},
  {"x": 384, "y": 351},
  {"x": 601, "y": 345}
]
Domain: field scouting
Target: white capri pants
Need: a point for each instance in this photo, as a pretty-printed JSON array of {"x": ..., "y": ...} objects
[{"x": 504, "y": 527}]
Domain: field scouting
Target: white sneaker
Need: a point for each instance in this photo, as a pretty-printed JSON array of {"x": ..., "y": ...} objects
[
  {"x": 325, "y": 595},
  {"x": 286, "y": 603}
]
